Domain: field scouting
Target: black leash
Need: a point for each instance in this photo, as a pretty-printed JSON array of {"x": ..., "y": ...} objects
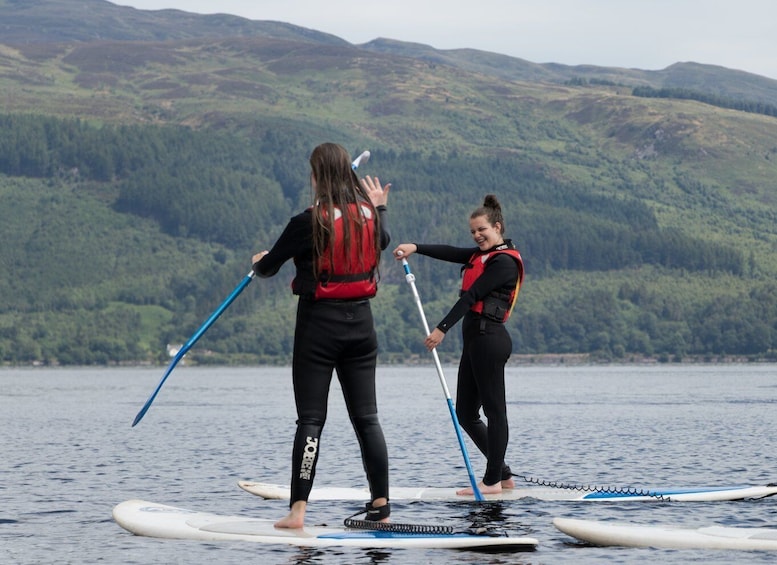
[
  {"x": 592, "y": 488},
  {"x": 435, "y": 529}
]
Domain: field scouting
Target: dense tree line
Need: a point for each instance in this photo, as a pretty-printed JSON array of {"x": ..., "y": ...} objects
[
  {"x": 219, "y": 188},
  {"x": 647, "y": 320},
  {"x": 123, "y": 290},
  {"x": 750, "y": 106}
]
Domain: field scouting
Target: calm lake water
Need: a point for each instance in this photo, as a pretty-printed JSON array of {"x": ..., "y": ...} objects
[{"x": 68, "y": 454}]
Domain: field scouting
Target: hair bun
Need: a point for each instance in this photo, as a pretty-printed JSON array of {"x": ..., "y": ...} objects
[{"x": 490, "y": 201}]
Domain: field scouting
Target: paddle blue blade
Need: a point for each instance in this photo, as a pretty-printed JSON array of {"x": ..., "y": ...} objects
[{"x": 192, "y": 340}]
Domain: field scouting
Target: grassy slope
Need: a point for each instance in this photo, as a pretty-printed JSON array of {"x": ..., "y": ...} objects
[
  {"x": 708, "y": 171},
  {"x": 586, "y": 134}
]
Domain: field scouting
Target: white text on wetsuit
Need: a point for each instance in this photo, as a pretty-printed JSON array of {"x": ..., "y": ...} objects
[{"x": 308, "y": 457}]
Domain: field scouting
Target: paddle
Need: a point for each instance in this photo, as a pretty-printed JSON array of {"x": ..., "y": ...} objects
[
  {"x": 363, "y": 158},
  {"x": 410, "y": 278},
  {"x": 192, "y": 340}
]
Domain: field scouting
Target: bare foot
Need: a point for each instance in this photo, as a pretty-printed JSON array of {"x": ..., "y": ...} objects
[
  {"x": 483, "y": 488},
  {"x": 508, "y": 484},
  {"x": 296, "y": 517}
]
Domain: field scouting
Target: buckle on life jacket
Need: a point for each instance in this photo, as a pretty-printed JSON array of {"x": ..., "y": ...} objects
[{"x": 495, "y": 308}]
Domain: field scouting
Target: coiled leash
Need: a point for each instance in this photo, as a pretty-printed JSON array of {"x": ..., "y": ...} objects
[
  {"x": 374, "y": 515},
  {"x": 592, "y": 488}
]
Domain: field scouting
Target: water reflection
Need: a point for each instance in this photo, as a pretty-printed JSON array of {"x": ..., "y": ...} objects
[
  {"x": 309, "y": 556},
  {"x": 487, "y": 515}
]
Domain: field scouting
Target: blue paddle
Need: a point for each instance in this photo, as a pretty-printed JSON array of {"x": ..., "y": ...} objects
[
  {"x": 192, "y": 340},
  {"x": 410, "y": 278}
]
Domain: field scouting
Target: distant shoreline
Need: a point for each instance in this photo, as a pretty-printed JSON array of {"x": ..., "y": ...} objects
[
  {"x": 588, "y": 359},
  {"x": 538, "y": 359}
]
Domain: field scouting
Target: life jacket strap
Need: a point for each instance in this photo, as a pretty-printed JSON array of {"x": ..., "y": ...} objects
[{"x": 326, "y": 277}]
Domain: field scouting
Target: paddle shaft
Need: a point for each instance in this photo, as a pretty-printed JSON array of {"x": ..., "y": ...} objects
[
  {"x": 410, "y": 278},
  {"x": 192, "y": 340}
]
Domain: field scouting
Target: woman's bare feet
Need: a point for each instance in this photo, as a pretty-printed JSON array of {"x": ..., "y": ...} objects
[
  {"x": 508, "y": 484},
  {"x": 483, "y": 488},
  {"x": 296, "y": 517}
]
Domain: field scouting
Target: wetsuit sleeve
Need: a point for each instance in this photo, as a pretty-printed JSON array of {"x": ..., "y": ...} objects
[
  {"x": 385, "y": 234},
  {"x": 296, "y": 239},
  {"x": 501, "y": 270},
  {"x": 448, "y": 253}
]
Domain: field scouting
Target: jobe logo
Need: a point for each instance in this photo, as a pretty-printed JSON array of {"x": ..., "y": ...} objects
[{"x": 308, "y": 457}]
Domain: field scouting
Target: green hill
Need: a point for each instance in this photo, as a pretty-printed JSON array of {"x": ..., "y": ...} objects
[{"x": 141, "y": 166}]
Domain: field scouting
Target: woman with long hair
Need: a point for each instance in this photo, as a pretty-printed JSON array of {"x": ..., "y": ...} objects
[{"x": 335, "y": 245}]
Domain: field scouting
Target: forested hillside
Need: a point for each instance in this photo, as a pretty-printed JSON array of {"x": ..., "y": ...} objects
[{"x": 138, "y": 178}]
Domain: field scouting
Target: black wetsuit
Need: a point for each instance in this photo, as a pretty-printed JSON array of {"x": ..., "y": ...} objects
[
  {"x": 486, "y": 348},
  {"x": 329, "y": 335}
]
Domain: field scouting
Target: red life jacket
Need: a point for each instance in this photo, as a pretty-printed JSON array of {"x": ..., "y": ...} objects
[
  {"x": 499, "y": 303},
  {"x": 340, "y": 279}
]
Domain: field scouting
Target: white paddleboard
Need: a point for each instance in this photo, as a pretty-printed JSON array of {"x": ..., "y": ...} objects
[
  {"x": 668, "y": 537},
  {"x": 161, "y": 521},
  {"x": 704, "y": 494}
]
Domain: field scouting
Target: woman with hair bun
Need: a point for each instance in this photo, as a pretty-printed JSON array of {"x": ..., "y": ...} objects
[{"x": 492, "y": 275}]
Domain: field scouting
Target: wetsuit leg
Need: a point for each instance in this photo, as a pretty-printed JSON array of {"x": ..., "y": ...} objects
[
  {"x": 481, "y": 383},
  {"x": 468, "y": 401},
  {"x": 356, "y": 372},
  {"x": 312, "y": 367}
]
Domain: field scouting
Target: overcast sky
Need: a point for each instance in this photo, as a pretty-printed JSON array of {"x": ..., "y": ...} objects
[{"x": 642, "y": 34}]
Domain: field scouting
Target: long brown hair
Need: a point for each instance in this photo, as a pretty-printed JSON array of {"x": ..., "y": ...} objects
[{"x": 337, "y": 186}]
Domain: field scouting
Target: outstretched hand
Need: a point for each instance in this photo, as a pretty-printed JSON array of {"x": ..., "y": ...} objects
[
  {"x": 404, "y": 250},
  {"x": 378, "y": 194}
]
